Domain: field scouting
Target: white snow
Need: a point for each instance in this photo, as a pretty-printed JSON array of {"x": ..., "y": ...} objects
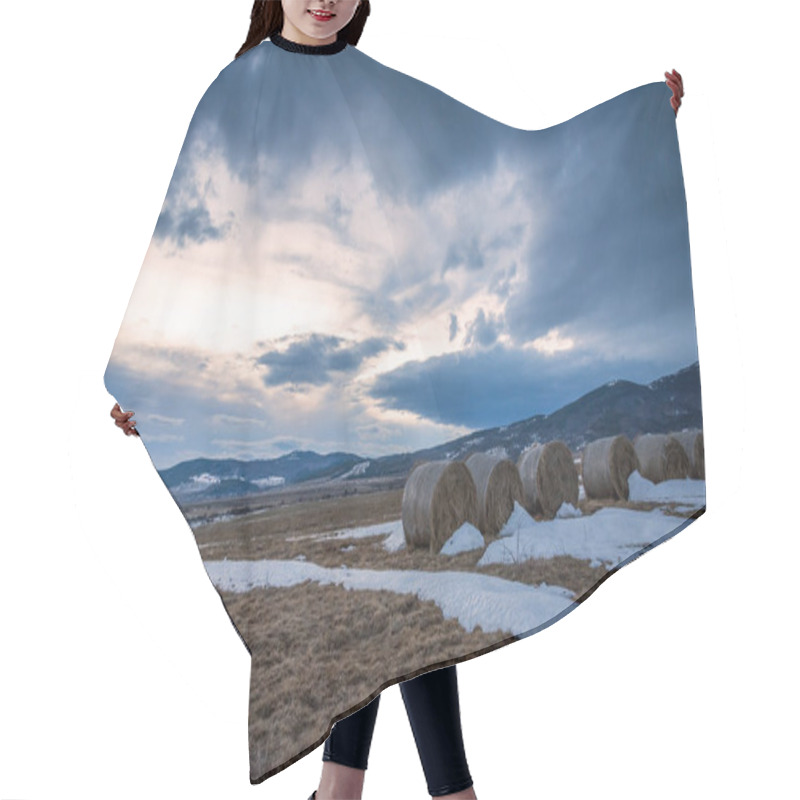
[
  {"x": 493, "y": 603},
  {"x": 205, "y": 479},
  {"x": 568, "y": 510},
  {"x": 465, "y": 538},
  {"x": 396, "y": 540},
  {"x": 393, "y": 531},
  {"x": 272, "y": 480},
  {"x": 499, "y": 452},
  {"x": 356, "y": 469},
  {"x": 608, "y": 535},
  {"x": 685, "y": 491}
]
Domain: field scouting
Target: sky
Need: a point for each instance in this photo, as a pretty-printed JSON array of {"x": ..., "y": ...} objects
[{"x": 349, "y": 259}]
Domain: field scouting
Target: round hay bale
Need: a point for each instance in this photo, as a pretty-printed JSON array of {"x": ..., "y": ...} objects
[
  {"x": 549, "y": 478},
  {"x": 606, "y": 465},
  {"x": 661, "y": 457},
  {"x": 498, "y": 485},
  {"x": 417, "y": 462},
  {"x": 692, "y": 443},
  {"x": 438, "y": 498}
]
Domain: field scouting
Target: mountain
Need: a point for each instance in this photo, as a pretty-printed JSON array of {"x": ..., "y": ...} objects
[
  {"x": 669, "y": 403},
  {"x": 216, "y": 478}
]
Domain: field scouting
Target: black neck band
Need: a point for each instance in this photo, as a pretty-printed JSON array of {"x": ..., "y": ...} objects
[{"x": 310, "y": 49}]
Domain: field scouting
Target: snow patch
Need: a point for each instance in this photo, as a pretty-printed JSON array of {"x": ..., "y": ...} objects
[
  {"x": 608, "y": 536},
  {"x": 465, "y": 538},
  {"x": 568, "y": 510},
  {"x": 493, "y": 603},
  {"x": 357, "y": 469},
  {"x": 272, "y": 480},
  {"x": 686, "y": 491}
]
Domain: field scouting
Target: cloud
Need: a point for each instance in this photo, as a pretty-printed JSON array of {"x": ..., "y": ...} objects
[
  {"x": 612, "y": 263},
  {"x": 192, "y": 223},
  {"x": 502, "y": 282},
  {"x": 483, "y": 331},
  {"x": 382, "y": 228},
  {"x": 467, "y": 253},
  {"x": 497, "y": 386},
  {"x": 453, "y": 326},
  {"x": 318, "y": 359}
]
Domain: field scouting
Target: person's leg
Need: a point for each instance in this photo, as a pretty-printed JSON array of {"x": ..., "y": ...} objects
[
  {"x": 433, "y": 710},
  {"x": 346, "y": 753}
]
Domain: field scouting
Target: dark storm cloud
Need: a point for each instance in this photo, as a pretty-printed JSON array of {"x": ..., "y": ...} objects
[
  {"x": 510, "y": 237},
  {"x": 315, "y": 358},
  {"x": 396, "y": 300},
  {"x": 453, "y": 326},
  {"x": 602, "y": 262},
  {"x": 243, "y": 114},
  {"x": 597, "y": 260},
  {"x": 484, "y": 388},
  {"x": 464, "y": 254},
  {"x": 613, "y": 257},
  {"x": 609, "y": 259},
  {"x": 483, "y": 330},
  {"x": 192, "y": 223},
  {"x": 501, "y": 285}
]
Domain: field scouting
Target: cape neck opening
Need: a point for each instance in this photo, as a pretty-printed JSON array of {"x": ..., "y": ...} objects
[{"x": 309, "y": 49}]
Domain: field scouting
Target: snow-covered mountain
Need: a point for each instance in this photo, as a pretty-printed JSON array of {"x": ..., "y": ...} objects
[{"x": 669, "y": 403}]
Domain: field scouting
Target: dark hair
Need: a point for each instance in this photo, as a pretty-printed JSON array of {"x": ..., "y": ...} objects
[{"x": 266, "y": 18}]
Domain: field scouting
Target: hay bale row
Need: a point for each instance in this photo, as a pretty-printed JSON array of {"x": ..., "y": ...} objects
[
  {"x": 439, "y": 497},
  {"x": 606, "y": 465},
  {"x": 549, "y": 478},
  {"x": 661, "y": 457},
  {"x": 498, "y": 485},
  {"x": 692, "y": 443}
]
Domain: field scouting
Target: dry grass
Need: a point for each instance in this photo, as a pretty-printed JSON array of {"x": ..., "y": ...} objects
[
  {"x": 265, "y": 536},
  {"x": 310, "y": 666},
  {"x": 317, "y": 649}
]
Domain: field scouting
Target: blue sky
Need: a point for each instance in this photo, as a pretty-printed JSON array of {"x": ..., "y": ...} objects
[{"x": 349, "y": 259}]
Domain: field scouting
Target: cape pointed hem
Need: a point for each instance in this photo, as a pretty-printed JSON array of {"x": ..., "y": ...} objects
[{"x": 418, "y": 381}]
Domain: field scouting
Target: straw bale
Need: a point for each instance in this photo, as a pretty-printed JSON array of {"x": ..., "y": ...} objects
[
  {"x": 439, "y": 497},
  {"x": 498, "y": 485},
  {"x": 549, "y": 478},
  {"x": 692, "y": 443},
  {"x": 661, "y": 457},
  {"x": 606, "y": 465}
]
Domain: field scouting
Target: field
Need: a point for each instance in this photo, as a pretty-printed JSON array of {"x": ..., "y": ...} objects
[{"x": 287, "y": 566}]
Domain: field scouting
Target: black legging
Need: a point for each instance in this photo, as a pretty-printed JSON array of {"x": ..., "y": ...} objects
[{"x": 432, "y": 705}]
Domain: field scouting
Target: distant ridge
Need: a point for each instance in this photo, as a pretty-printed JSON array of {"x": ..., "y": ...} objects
[{"x": 669, "y": 403}]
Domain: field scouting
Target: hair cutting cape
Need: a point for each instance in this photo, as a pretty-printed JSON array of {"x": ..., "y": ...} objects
[{"x": 419, "y": 381}]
